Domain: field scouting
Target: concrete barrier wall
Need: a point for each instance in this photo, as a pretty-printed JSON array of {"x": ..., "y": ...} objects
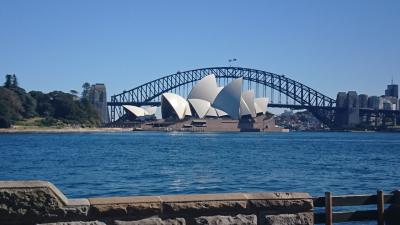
[{"x": 40, "y": 202}]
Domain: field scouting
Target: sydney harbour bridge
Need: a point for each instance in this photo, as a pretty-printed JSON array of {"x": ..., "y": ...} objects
[{"x": 282, "y": 91}]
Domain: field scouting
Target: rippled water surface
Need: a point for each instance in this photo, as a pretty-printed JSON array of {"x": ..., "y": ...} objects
[{"x": 111, "y": 164}]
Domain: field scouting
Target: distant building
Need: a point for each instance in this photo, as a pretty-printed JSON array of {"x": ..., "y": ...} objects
[
  {"x": 98, "y": 97},
  {"x": 353, "y": 109},
  {"x": 348, "y": 105},
  {"x": 392, "y": 101},
  {"x": 391, "y": 97},
  {"x": 392, "y": 90},
  {"x": 207, "y": 100},
  {"x": 363, "y": 100},
  {"x": 341, "y": 99},
  {"x": 387, "y": 105},
  {"x": 375, "y": 102}
]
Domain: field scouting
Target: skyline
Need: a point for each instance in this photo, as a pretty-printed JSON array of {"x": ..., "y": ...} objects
[{"x": 328, "y": 46}]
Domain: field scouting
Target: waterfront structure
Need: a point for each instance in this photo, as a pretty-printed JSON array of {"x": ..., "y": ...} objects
[
  {"x": 40, "y": 202},
  {"x": 208, "y": 107},
  {"x": 174, "y": 107},
  {"x": 265, "y": 84},
  {"x": 206, "y": 99},
  {"x": 140, "y": 113},
  {"x": 283, "y": 92},
  {"x": 28, "y": 202},
  {"x": 98, "y": 97}
]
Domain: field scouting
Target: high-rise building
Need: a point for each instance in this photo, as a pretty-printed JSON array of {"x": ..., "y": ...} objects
[
  {"x": 363, "y": 100},
  {"x": 98, "y": 97},
  {"x": 375, "y": 102},
  {"x": 392, "y": 90},
  {"x": 348, "y": 114}
]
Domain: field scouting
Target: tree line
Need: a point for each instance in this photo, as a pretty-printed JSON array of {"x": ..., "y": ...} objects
[{"x": 55, "y": 108}]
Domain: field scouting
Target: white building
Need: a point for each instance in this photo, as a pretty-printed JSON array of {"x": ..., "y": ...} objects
[{"x": 206, "y": 99}]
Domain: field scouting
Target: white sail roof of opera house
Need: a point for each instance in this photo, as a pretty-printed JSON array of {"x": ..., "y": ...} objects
[
  {"x": 138, "y": 111},
  {"x": 151, "y": 110},
  {"x": 261, "y": 105},
  {"x": 221, "y": 113},
  {"x": 247, "y": 106},
  {"x": 205, "y": 89},
  {"x": 229, "y": 98},
  {"x": 212, "y": 112},
  {"x": 200, "y": 106},
  {"x": 188, "y": 111},
  {"x": 178, "y": 104}
]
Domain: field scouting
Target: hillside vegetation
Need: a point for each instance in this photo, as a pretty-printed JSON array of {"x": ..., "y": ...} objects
[{"x": 54, "y": 109}]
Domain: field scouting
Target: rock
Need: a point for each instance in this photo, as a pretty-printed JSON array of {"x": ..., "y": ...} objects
[
  {"x": 75, "y": 223},
  {"x": 204, "y": 203},
  {"x": 204, "y": 206},
  {"x": 35, "y": 205},
  {"x": 294, "y": 206},
  {"x": 227, "y": 220},
  {"x": 135, "y": 209},
  {"x": 108, "y": 210},
  {"x": 290, "y": 219},
  {"x": 153, "y": 221},
  {"x": 138, "y": 206}
]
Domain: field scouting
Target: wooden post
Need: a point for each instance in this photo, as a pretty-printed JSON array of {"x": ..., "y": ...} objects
[
  {"x": 380, "y": 207},
  {"x": 328, "y": 208}
]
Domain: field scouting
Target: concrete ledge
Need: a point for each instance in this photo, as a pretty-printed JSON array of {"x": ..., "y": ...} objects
[
  {"x": 201, "y": 198},
  {"x": 32, "y": 202},
  {"x": 124, "y": 200}
]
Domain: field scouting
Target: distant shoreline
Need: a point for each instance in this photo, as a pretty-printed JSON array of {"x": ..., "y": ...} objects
[
  {"x": 61, "y": 130},
  {"x": 110, "y": 130}
]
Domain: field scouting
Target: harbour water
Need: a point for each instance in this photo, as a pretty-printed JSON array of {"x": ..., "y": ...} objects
[{"x": 118, "y": 164}]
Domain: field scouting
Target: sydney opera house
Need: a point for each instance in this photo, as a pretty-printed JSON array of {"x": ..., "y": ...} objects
[{"x": 207, "y": 108}]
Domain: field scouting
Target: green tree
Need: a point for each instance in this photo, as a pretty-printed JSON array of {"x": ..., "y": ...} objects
[
  {"x": 85, "y": 91},
  {"x": 5, "y": 123},
  {"x": 10, "y": 105},
  {"x": 8, "y": 82},
  {"x": 14, "y": 81},
  {"x": 73, "y": 92},
  {"x": 28, "y": 103},
  {"x": 44, "y": 107}
]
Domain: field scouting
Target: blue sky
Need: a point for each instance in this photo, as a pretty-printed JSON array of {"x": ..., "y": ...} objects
[{"x": 329, "y": 45}]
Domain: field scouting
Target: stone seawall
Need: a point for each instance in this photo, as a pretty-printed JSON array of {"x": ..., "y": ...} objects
[{"x": 40, "y": 202}]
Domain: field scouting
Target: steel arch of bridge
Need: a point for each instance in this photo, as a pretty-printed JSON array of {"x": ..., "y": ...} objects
[{"x": 146, "y": 94}]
